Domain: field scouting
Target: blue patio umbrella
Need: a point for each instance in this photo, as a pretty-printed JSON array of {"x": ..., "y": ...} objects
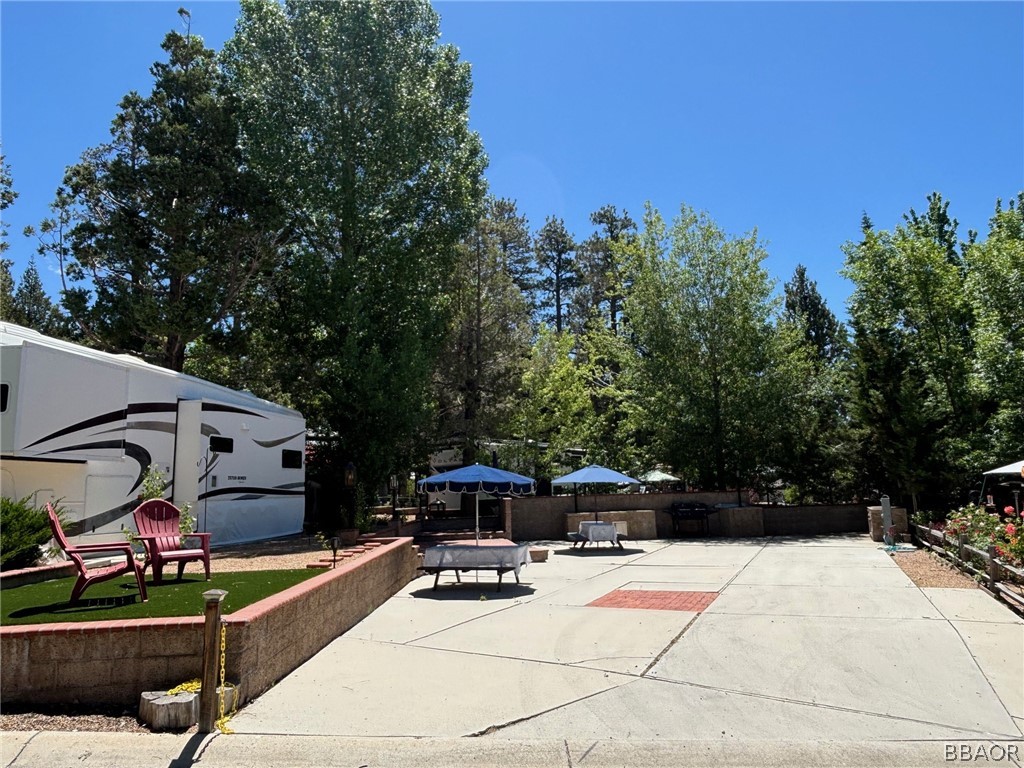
[
  {"x": 592, "y": 474},
  {"x": 477, "y": 479}
]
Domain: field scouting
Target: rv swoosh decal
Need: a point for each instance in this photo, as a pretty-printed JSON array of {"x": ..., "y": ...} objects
[
  {"x": 153, "y": 426},
  {"x": 278, "y": 441},
  {"x": 106, "y": 418},
  {"x": 131, "y": 450},
  {"x": 231, "y": 409},
  {"x": 95, "y": 421},
  {"x": 249, "y": 489},
  {"x": 134, "y": 408},
  {"x": 103, "y": 518}
]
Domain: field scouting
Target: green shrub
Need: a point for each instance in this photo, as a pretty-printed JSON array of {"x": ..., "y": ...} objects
[{"x": 23, "y": 530}]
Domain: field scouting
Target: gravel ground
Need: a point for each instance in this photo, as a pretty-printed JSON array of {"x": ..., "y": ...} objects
[{"x": 928, "y": 570}]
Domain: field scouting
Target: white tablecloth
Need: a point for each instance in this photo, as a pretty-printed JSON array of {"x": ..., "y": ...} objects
[
  {"x": 471, "y": 556},
  {"x": 594, "y": 531}
]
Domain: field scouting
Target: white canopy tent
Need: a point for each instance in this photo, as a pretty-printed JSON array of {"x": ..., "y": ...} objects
[
  {"x": 1015, "y": 471},
  {"x": 1016, "y": 468}
]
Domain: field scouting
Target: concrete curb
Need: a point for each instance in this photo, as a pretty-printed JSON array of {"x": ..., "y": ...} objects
[{"x": 59, "y": 749}]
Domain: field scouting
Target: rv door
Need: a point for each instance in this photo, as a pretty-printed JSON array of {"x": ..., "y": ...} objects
[{"x": 188, "y": 433}]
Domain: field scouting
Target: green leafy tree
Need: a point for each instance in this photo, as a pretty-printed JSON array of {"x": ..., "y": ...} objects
[
  {"x": 714, "y": 376},
  {"x": 358, "y": 119},
  {"x": 163, "y": 229},
  {"x": 479, "y": 372},
  {"x": 995, "y": 286},
  {"x": 603, "y": 284},
  {"x": 6, "y": 290},
  {"x": 818, "y": 458},
  {"x": 554, "y": 407},
  {"x": 7, "y": 198},
  {"x": 554, "y": 248},
  {"x": 909, "y": 307},
  {"x": 32, "y": 307},
  {"x": 510, "y": 232}
]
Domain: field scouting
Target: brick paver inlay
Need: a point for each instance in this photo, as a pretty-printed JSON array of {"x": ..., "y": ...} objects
[{"x": 656, "y": 599}]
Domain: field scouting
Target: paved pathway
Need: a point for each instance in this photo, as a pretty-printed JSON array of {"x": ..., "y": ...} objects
[{"x": 803, "y": 652}]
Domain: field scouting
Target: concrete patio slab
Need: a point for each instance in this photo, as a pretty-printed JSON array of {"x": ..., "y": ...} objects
[
  {"x": 731, "y": 557},
  {"x": 652, "y": 710},
  {"x": 844, "y": 557},
  {"x": 408, "y": 619},
  {"x": 971, "y": 605},
  {"x": 796, "y": 573},
  {"x": 904, "y": 668},
  {"x": 361, "y": 688},
  {"x": 617, "y": 640},
  {"x": 999, "y": 651},
  {"x": 670, "y": 586},
  {"x": 875, "y": 603},
  {"x": 839, "y": 541},
  {"x": 12, "y": 744}
]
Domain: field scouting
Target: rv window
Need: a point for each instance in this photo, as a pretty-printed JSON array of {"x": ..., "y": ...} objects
[
  {"x": 291, "y": 459},
  {"x": 5, "y": 390},
  {"x": 220, "y": 444}
]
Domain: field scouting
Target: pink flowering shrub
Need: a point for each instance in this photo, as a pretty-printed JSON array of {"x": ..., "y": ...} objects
[
  {"x": 977, "y": 524},
  {"x": 1011, "y": 542},
  {"x": 983, "y": 529}
]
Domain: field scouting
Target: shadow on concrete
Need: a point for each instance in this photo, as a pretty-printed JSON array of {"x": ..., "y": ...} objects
[
  {"x": 594, "y": 550},
  {"x": 470, "y": 589}
]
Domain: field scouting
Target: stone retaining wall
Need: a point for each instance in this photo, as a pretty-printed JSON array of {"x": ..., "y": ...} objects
[{"x": 113, "y": 662}]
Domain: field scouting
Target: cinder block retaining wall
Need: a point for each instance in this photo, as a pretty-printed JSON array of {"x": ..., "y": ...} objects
[
  {"x": 113, "y": 662},
  {"x": 547, "y": 517},
  {"x": 536, "y": 518}
]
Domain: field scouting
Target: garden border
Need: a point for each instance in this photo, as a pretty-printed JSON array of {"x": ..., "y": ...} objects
[
  {"x": 113, "y": 662},
  {"x": 939, "y": 542}
]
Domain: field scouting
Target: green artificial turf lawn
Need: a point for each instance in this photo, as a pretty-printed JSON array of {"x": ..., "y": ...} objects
[{"x": 118, "y": 598}]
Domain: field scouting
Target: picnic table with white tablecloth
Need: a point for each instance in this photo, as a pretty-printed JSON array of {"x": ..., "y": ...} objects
[
  {"x": 593, "y": 531},
  {"x": 474, "y": 557}
]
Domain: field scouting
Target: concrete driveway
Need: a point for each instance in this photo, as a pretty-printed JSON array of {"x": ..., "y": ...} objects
[
  {"x": 778, "y": 652},
  {"x": 816, "y": 640}
]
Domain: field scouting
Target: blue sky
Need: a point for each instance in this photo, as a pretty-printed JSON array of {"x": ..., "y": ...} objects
[{"x": 793, "y": 118}]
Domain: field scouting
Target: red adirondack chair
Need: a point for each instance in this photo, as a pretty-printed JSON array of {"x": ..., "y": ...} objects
[
  {"x": 158, "y": 521},
  {"x": 94, "y": 575}
]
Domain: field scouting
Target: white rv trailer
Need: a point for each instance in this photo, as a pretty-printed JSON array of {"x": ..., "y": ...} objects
[{"x": 83, "y": 427}]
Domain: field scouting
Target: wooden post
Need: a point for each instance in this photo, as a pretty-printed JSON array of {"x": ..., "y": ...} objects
[
  {"x": 993, "y": 567},
  {"x": 211, "y": 660},
  {"x": 960, "y": 546}
]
